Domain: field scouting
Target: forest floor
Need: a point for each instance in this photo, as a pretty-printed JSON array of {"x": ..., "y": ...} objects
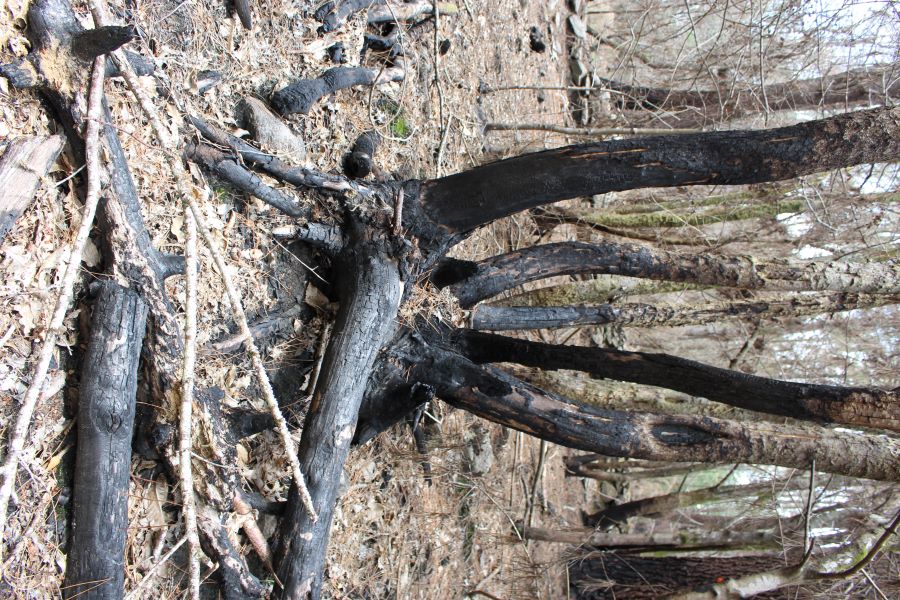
[{"x": 395, "y": 534}]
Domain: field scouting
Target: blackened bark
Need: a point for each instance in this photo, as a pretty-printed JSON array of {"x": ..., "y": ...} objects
[
  {"x": 370, "y": 291},
  {"x": 95, "y": 566},
  {"x": 274, "y": 166},
  {"x": 300, "y": 96},
  {"x": 649, "y": 578},
  {"x": 334, "y": 15},
  {"x": 227, "y": 167},
  {"x": 847, "y": 88},
  {"x": 865, "y": 407},
  {"x": 506, "y": 318},
  {"x": 359, "y": 162},
  {"x": 472, "y": 282},
  {"x": 466, "y": 200},
  {"x": 91, "y": 43}
]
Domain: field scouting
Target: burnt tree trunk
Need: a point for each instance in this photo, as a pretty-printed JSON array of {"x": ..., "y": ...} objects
[
  {"x": 466, "y": 200},
  {"x": 95, "y": 567},
  {"x": 370, "y": 290}
]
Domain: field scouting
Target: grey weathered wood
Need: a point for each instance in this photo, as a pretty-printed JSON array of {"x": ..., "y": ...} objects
[{"x": 24, "y": 163}]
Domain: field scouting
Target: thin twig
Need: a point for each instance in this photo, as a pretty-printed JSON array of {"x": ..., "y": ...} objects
[
  {"x": 39, "y": 380},
  {"x": 189, "y": 509},
  {"x": 133, "y": 594},
  {"x": 256, "y": 358},
  {"x": 437, "y": 83},
  {"x": 188, "y": 195}
]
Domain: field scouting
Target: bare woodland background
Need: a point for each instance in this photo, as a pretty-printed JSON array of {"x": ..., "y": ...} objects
[{"x": 460, "y": 534}]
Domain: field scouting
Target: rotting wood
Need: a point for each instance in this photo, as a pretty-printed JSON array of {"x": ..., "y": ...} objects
[{"x": 25, "y": 162}]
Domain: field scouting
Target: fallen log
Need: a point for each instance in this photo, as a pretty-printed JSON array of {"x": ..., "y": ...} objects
[{"x": 95, "y": 566}]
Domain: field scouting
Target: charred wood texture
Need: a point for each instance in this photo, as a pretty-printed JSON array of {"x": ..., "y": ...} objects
[
  {"x": 228, "y": 168},
  {"x": 865, "y": 407},
  {"x": 505, "y": 318},
  {"x": 649, "y": 578},
  {"x": 370, "y": 291},
  {"x": 334, "y": 15},
  {"x": 300, "y": 96},
  {"x": 466, "y": 200},
  {"x": 473, "y": 282},
  {"x": 24, "y": 163},
  {"x": 95, "y": 566},
  {"x": 856, "y": 86},
  {"x": 359, "y": 162},
  {"x": 91, "y": 43},
  {"x": 298, "y": 176},
  {"x": 494, "y": 395},
  {"x": 130, "y": 257}
]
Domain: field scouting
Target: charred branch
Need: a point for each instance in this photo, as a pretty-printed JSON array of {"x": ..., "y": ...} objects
[
  {"x": 370, "y": 294},
  {"x": 95, "y": 566},
  {"x": 91, "y": 43},
  {"x": 473, "y": 282},
  {"x": 298, "y": 176},
  {"x": 359, "y": 162},
  {"x": 334, "y": 15},
  {"x": 864, "y": 407},
  {"x": 23, "y": 165},
  {"x": 226, "y": 167},
  {"x": 466, "y": 200},
  {"x": 494, "y": 395},
  {"x": 300, "y": 96}
]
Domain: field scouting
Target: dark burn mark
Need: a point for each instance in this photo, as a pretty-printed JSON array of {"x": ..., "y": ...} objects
[{"x": 680, "y": 435}]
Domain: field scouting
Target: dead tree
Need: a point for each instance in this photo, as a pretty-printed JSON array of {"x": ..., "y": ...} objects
[
  {"x": 428, "y": 217},
  {"x": 393, "y": 233}
]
